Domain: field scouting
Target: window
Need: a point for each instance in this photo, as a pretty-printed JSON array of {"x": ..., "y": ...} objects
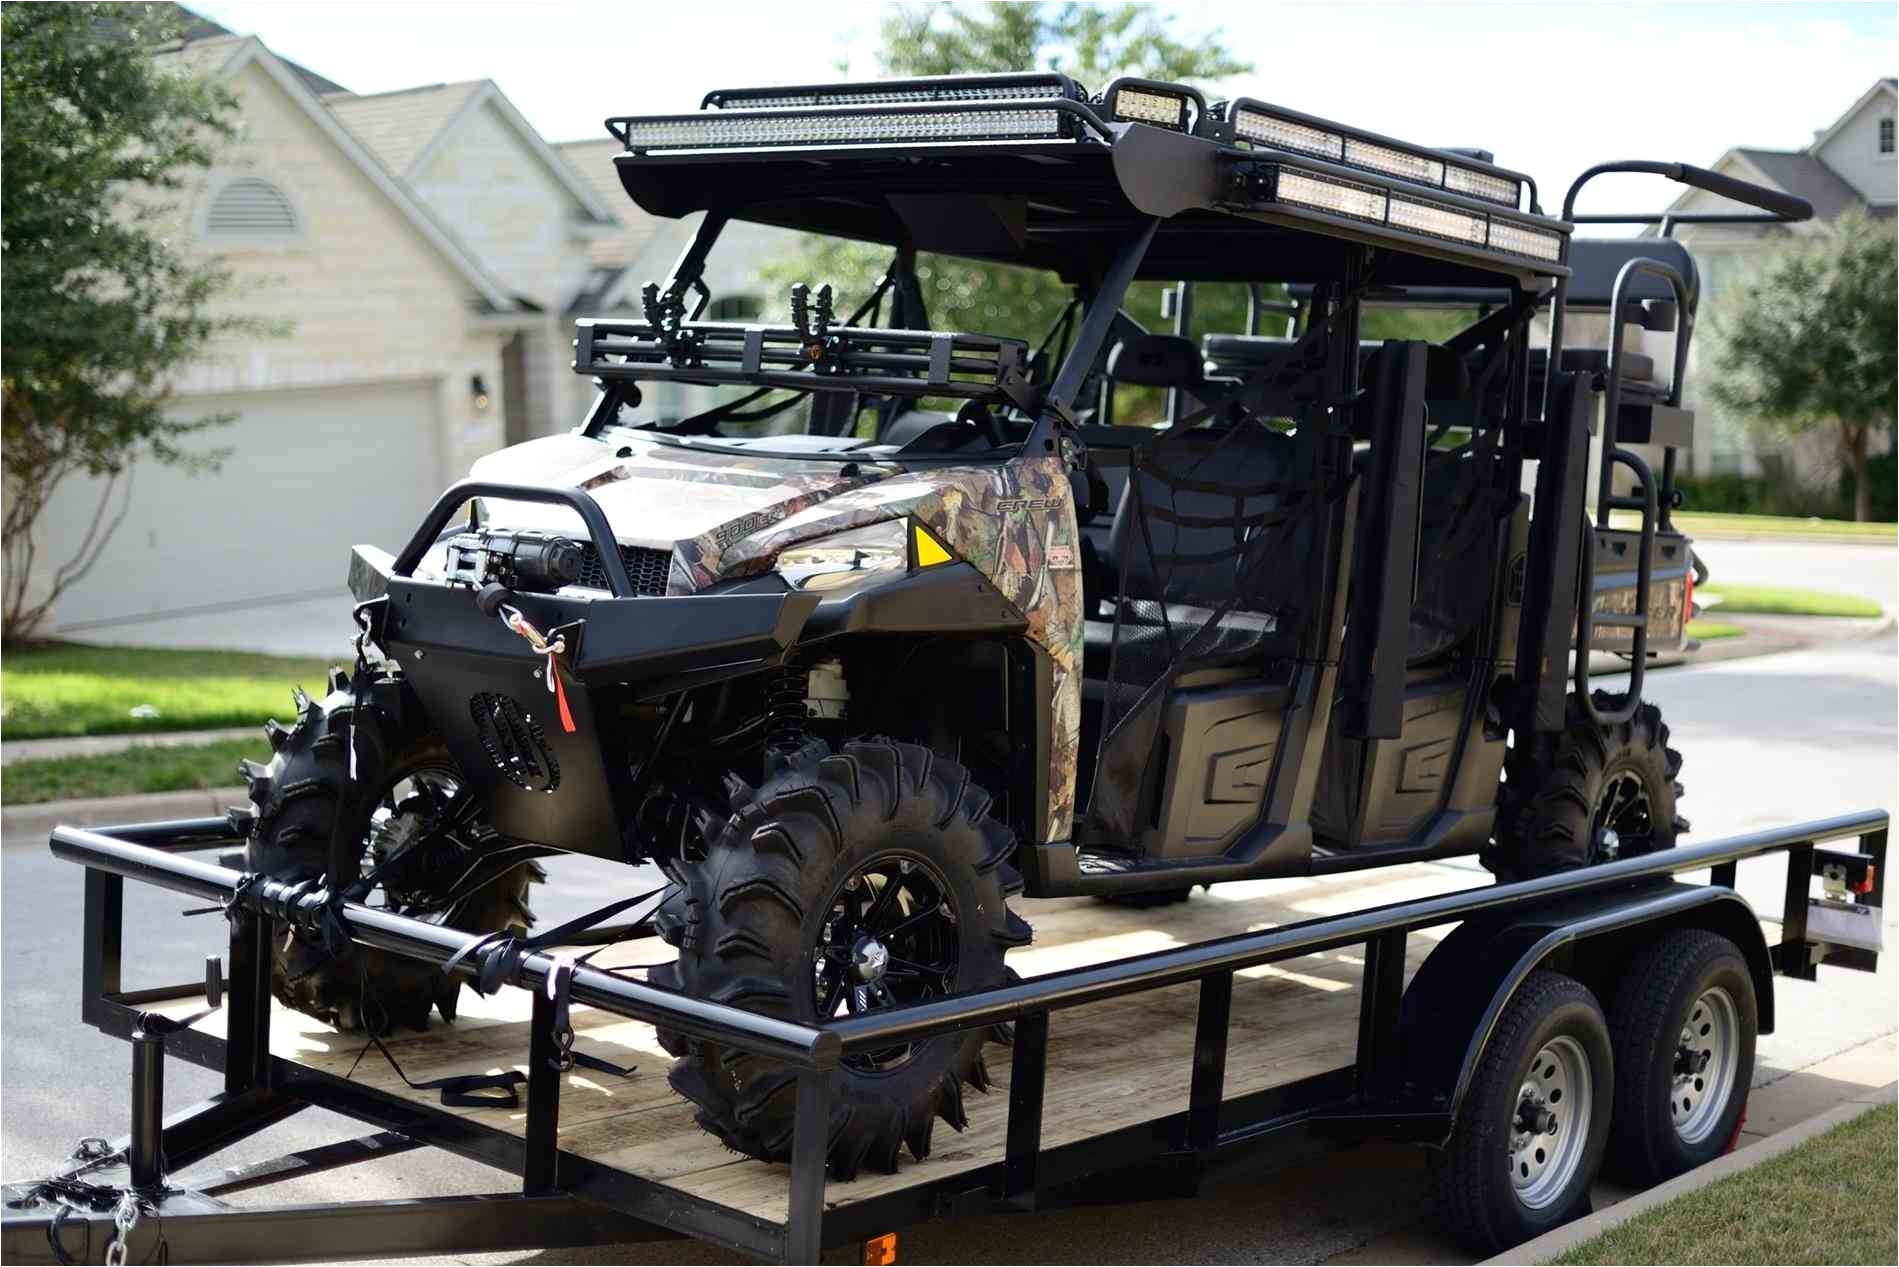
[
  {"x": 249, "y": 208},
  {"x": 1885, "y": 136}
]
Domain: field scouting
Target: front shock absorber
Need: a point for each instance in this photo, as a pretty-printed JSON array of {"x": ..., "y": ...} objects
[{"x": 785, "y": 690}]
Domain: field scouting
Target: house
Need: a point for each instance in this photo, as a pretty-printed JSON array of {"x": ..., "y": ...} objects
[
  {"x": 1850, "y": 165},
  {"x": 426, "y": 251}
]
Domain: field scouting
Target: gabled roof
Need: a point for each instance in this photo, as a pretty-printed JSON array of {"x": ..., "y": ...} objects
[
  {"x": 399, "y": 125},
  {"x": 1887, "y": 87},
  {"x": 406, "y": 128},
  {"x": 1805, "y": 176},
  {"x": 251, "y": 50},
  {"x": 592, "y": 162}
]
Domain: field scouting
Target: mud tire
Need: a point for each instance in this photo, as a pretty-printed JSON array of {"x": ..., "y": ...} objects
[{"x": 747, "y": 917}]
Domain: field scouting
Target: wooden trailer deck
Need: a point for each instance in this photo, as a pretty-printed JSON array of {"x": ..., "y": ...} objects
[{"x": 1110, "y": 1065}]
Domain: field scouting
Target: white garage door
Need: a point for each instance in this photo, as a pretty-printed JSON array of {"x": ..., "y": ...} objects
[{"x": 307, "y": 475}]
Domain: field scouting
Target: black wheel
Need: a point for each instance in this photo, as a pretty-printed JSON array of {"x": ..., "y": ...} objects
[
  {"x": 1684, "y": 1020},
  {"x": 1595, "y": 794},
  {"x": 1533, "y": 1125},
  {"x": 416, "y": 826},
  {"x": 848, "y": 883}
]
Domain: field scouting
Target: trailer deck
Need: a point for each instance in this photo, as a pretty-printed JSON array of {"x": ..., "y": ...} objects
[
  {"x": 1112, "y": 1065},
  {"x": 1146, "y": 1045}
]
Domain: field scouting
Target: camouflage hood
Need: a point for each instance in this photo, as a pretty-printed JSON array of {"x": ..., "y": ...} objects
[{"x": 664, "y": 496}]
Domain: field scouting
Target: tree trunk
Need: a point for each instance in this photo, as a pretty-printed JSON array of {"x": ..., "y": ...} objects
[{"x": 1862, "y": 495}]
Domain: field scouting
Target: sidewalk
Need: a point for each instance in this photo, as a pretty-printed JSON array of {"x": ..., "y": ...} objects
[{"x": 16, "y": 750}]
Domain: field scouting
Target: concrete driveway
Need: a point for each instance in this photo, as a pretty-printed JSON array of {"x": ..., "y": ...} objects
[{"x": 1771, "y": 740}]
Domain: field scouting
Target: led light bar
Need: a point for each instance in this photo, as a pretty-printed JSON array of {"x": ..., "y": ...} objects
[
  {"x": 802, "y": 128},
  {"x": 1137, "y": 105},
  {"x": 1255, "y": 123},
  {"x": 898, "y": 92},
  {"x": 1340, "y": 198},
  {"x": 1519, "y": 239},
  {"x": 1295, "y": 187},
  {"x": 1439, "y": 222}
]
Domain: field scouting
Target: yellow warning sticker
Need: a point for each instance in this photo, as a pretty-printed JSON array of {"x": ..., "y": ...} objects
[{"x": 928, "y": 551}]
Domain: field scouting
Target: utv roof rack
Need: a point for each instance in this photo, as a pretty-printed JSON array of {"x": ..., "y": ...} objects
[{"x": 1023, "y": 168}]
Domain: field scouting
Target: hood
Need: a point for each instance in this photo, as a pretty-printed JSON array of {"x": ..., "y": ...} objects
[{"x": 660, "y": 495}]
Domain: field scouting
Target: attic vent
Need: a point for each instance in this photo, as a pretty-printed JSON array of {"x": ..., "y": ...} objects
[{"x": 250, "y": 207}]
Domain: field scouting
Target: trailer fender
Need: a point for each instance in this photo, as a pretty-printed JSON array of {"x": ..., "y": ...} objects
[{"x": 1453, "y": 1003}]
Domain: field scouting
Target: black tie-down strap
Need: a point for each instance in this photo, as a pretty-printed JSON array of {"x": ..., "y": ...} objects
[{"x": 497, "y": 957}]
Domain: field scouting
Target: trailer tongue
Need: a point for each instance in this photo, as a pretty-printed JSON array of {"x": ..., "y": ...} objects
[{"x": 1509, "y": 945}]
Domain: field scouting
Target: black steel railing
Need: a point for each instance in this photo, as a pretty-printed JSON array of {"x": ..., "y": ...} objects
[{"x": 148, "y": 854}]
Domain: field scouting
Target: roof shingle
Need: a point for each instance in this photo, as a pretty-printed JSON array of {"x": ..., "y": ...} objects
[
  {"x": 1804, "y": 176},
  {"x": 398, "y": 126},
  {"x": 592, "y": 161}
]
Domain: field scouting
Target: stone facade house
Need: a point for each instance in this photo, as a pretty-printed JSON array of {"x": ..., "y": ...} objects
[
  {"x": 1853, "y": 164},
  {"x": 426, "y": 252}
]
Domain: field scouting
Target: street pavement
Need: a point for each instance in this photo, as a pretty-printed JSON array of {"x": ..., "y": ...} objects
[{"x": 1767, "y": 741}]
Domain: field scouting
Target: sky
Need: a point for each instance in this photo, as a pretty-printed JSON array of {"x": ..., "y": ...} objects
[{"x": 1550, "y": 88}]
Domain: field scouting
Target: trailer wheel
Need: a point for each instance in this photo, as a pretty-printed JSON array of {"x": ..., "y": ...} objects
[
  {"x": 1599, "y": 793},
  {"x": 1534, "y": 1122},
  {"x": 1684, "y": 1020},
  {"x": 403, "y": 804},
  {"x": 847, "y": 884}
]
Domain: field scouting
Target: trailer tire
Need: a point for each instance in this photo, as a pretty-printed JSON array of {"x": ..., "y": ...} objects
[
  {"x": 1557, "y": 800},
  {"x": 304, "y": 795},
  {"x": 1494, "y": 1187},
  {"x": 1679, "y": 1097},
  {"x": 794, "y": 872}
]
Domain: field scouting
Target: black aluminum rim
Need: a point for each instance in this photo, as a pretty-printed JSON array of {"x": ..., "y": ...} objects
[
  {"x": 1623, "y": 809},
  {"x": 901, "y": 903}
]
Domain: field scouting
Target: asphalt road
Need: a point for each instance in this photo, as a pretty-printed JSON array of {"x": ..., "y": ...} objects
[{"x": 1770, "y": 740}]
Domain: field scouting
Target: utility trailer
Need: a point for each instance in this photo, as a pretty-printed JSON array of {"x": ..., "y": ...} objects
[{"x": 1227, "y": 1047}]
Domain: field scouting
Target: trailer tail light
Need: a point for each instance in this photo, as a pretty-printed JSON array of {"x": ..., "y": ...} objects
[
  {"x": 1867, "y": 880},
  {"x": 880, "y": 1251}
]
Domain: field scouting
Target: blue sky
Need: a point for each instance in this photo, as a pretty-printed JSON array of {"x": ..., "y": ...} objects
[{"x": 1550, "y": 88}]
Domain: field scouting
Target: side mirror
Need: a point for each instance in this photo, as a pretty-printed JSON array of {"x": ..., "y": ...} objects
[{"x": 1156, "y": 360}]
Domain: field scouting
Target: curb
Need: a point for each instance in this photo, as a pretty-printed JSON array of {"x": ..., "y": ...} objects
[
  {"x": 29, "y": 825},
  {"x": 1565, "y": 1238},
  {"x": 17, "y": 750}
]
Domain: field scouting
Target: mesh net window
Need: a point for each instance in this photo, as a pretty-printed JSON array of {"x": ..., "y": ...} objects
[{"x": 1211, "y": 543}]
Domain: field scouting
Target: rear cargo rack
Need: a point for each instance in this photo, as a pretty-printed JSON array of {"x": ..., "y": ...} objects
[{"x": 844, "y": 358}]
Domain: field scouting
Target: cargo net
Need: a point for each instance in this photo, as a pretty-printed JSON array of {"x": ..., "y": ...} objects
[{"x": 1212, "y": 544}]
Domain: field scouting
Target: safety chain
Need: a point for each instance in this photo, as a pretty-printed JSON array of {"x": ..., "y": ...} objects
[{"x": 125, "y": 1217}]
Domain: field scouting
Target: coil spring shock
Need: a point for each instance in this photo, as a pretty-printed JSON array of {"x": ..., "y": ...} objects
[{"x": 785, "y": 692}]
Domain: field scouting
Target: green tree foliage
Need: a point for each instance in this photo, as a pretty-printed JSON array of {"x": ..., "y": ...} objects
[
  {"x": 1093, "y": 44},
  {"x": 1812, "y": 344},
  {"x": 102, "y": 302}
]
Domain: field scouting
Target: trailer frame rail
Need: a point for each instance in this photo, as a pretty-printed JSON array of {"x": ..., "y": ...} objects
[{"x": 567, "y": 1199}]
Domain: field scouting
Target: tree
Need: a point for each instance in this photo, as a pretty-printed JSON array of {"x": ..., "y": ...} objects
[
  {"x": 1812, "y": 344},
  {"x": 103, "y": 304}
]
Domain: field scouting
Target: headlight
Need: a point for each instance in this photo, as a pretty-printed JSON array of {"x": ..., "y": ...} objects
[{"x": 845, "y": 558}]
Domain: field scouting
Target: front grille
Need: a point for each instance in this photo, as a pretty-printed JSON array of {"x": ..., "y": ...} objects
[{"x": 647, "y": 566}]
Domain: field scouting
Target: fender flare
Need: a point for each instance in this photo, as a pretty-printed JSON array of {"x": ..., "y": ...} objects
[{"x": 1454, "y": 1001}]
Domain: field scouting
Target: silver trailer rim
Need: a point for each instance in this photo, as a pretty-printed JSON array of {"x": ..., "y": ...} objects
[
  {"x": 1707, "y": 1062},
  {"x": 1550, "y": 1131}
]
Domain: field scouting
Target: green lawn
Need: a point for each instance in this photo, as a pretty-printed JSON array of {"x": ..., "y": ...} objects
[
  {"x": 1777, "y": 600},
  {"x": 66, "y": 689},
  {"x": 1714, "y": 630},
  {"x": 1831, "y": 1200},
  {"x": 1709, "y": 525},
  {"x": 129, "y": 773}
]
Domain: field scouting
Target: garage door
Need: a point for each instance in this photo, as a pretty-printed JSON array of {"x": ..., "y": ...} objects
[{"x": 307, "y": 475}]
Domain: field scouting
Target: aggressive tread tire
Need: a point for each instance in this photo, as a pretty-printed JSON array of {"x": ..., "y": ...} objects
[
  {"x": 1548, "y": 802},
  {"x": 745, "y": 920},
  {"x": 1475, "y": 1198},
  {"x": 303, "y": 796},
  {"x": 1647, "y": 1008}
]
